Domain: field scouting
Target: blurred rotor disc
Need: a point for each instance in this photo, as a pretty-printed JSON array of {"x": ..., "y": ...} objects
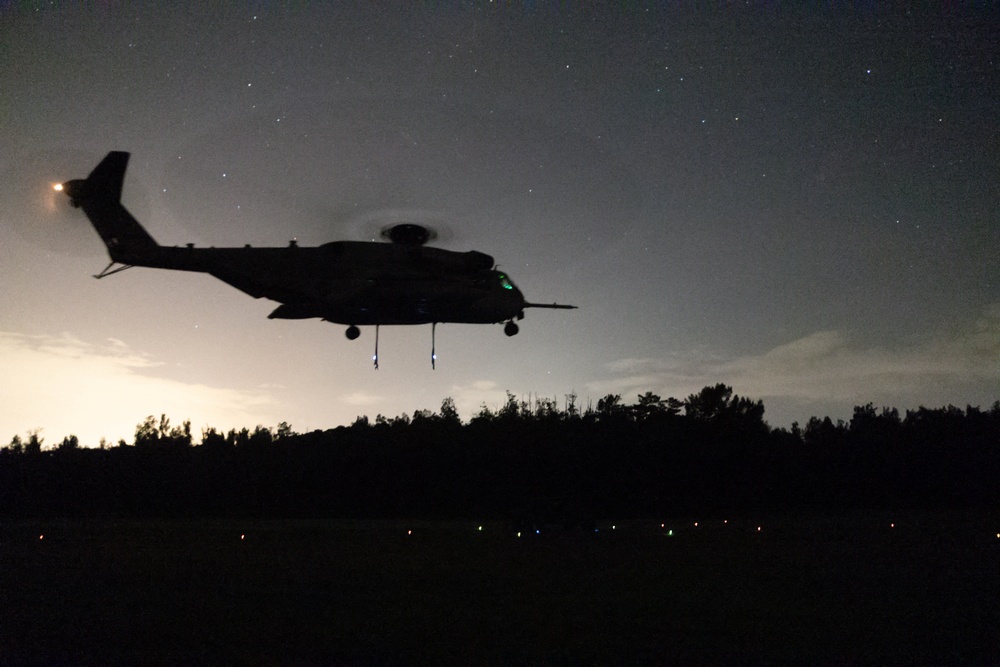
[{"x": 510, "y": 183}]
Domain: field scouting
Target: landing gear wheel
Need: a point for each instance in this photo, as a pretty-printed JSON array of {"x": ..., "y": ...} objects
[
  {"x": 510, "y": 329},
  {"x": 352, "y": 332}
]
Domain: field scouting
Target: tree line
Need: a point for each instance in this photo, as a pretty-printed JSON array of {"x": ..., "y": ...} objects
[{"x": 527, "y": 461}]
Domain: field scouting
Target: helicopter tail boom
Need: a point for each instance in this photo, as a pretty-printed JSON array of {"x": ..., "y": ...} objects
[{"x": 99, "y": 195}]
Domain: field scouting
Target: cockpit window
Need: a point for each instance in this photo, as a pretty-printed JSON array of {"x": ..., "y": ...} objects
[{"x": 504, "y": 282}]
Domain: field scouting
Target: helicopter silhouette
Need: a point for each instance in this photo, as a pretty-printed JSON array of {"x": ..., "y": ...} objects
[{"x": 400, "y": 280}]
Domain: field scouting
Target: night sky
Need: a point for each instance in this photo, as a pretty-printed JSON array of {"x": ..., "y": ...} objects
[{"x": 799, "y": 203}]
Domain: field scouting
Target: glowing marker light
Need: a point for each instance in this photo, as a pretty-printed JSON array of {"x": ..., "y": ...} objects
[
  {"x": 409, "y": 532},
  {"x": 480, "y": 529},
  {"x": 242, "y": 535},
  {"x": 758, "y": 529},
  {"x": 57, "y": 187},
  {"x": 670, "y": 533},
  {"x": 695, "y": 524},
  {"x": 42, "y": 537}
]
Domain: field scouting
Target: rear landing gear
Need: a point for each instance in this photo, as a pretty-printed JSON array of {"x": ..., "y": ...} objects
[
  {"x": 352, "y": 332},
  {"x": 510, "y": 329}
]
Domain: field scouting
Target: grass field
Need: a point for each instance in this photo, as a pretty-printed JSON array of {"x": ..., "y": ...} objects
[{"x": 850, "y": 590}]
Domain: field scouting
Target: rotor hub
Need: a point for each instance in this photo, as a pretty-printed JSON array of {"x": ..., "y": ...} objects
[{"x": 408, "y": 234}]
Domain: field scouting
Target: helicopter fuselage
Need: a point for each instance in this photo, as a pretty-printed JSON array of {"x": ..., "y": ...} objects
[{"x": 355, "y": 282}]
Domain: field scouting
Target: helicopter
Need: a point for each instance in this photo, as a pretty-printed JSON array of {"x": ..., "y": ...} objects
[{"x": 397, "y": 281}]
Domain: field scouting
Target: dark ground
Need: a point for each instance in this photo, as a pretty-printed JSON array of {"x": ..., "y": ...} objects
[{"x": 849, "y": 590}]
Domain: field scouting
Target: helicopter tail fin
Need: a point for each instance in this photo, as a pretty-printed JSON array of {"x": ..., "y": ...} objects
[{"x": 100, "y": 198}]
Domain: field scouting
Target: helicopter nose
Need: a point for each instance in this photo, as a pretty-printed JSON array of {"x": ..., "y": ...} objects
[{"x": 516, "y": 296}]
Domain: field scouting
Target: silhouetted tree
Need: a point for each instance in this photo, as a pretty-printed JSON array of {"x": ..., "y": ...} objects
[
  {"x": 485, "y": 415},
  {"x": 449, "y": 413},
  {"x": 34, "y": 443},
  {"x": 147, "y": 433},
  {"x": 610, "y": 405},
  {"x": 649, "y": 405},
  {"x": 823, "y": 433},
  {"x": 152, "y": 433},
  {"x": 423, "y": 415},
  {"x": 572, "y": 410},
  {"x": 546, "y": 409},
  {"x": 719, "y": 402},
  {"x": 210, "y": 437},
  {"x": 510, "y": 410},
  {"x": 528, "y": 462},
  {"x": 69, "y": 442},
  {"x": 16, "y": 446},
  {"x": 261, "y": 437}
]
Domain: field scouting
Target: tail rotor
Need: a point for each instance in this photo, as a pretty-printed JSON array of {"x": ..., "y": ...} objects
[{"x": 36, "y": 209}]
